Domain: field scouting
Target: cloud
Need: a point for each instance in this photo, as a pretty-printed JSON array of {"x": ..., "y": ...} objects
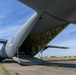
[
  {"x": 5, "y": 8},
  {"x": 68, "y": 30},
  {"x": 70, "y": 43},
  {"x": 13, "y": 15},
  {"x": 12, "y": 11},
  {"x": 8, "y": 32}
]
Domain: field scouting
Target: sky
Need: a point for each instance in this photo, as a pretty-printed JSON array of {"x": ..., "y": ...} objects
[{"x": 13, "y": 14}]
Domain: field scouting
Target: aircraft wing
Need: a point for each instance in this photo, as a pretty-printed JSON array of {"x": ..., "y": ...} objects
[
  {"x": 56, "y": 15},
  {"x": 52, "y": 46},
  {"x": 59, "y": 9},
  {"x": 61, "y": 47}
]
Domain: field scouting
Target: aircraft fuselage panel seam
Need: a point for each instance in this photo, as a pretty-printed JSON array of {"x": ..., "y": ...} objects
[{"x": 56, "y": 17}]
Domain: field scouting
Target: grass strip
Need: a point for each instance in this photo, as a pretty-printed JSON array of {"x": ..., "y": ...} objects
[
  {"x": 56, "y": 67},
  {"x": 6, "y": 72},
  {"x": 58, "y": 59}
]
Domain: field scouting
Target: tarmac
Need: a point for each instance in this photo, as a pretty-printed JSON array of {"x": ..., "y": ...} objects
[
  {"x": 39, "y": 67},
  {"x": 1, "y": 72}
]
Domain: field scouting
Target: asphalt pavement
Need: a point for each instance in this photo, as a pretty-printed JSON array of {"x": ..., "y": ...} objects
[{"x": 43, "y": 68}]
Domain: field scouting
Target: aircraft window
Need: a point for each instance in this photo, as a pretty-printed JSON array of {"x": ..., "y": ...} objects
[{"x": 1, "y": 45}]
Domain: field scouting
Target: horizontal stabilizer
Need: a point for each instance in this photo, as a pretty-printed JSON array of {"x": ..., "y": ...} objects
[{"x": 3, "y": 41}]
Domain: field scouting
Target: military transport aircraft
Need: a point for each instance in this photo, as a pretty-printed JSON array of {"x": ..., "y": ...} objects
[{"x": 50, "y": 18}]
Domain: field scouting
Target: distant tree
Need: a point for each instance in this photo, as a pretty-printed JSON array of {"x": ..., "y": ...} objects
[
  {"x": 65, "y": 56},
  {"x": 45, "y": 56},
  {"x": 75, "y": 56},
  {"x": 69, "y": 56},
  {"x": 50, "y": 56}
]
